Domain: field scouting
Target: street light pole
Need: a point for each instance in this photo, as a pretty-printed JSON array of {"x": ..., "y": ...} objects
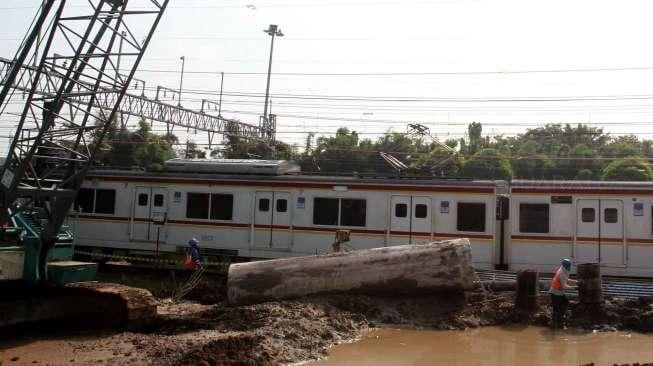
[
  {"x": 272, "y": 31},
  {"x": 181, "y": 81},
  {"x": 221, "y": 83},
  {"x": 123, "y": 34}
]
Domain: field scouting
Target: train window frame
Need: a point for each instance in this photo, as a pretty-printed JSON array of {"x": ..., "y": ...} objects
[
  {"x": 418, "y": 208},
  {"x": 583, "y": 217},
  {"x": 205, "y": 197},
  {"x": 263, "y": 207},
  {"x": 336, "y": 217},
  {"x": 533, "y": 224},
  {"x": 221, "y": 207},
  {"x": 325, "y": 211},
  {"x": 107, "y": 204},
  {"x": 606, "y": 216},
  {"x": 90, "y": 195},
  {"x": 283, "y": 208},
  {"x": 350, "y": 217},
  {"x": 404, "y": 210},
  {"x": 469, "y": 228},
  {"x": 139, "y": 200},
  {"x": 158, "y": 200}
]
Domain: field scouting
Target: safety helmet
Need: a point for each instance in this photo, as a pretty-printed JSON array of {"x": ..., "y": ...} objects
[
  {"x": 566, "y": 263},
  {"x": 193, "y": 242}
]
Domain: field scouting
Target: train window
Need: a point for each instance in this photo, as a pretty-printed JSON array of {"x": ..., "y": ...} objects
[
  {"x": 197, "y": 205},
  {"x": 85, "y": 200},
  {"x": 610, "y": 215},
  {"x": 471, "y": 217},
  {"x": 325, "y": 211},
  {"x": 353, "y": 212},
  {"x": 105, "y": 201},
  {"x": 421, "y": 211},
  {"x": 401, "y": 210},
  {"x": 534, "y": 217},
  {"x": 587, "y": 214},
  {"x": 222, "y": 206},
  {"x": 264, "y": 204},
  {"x": 282, "y": 205},
  {"x": 142, "y": 199},
  {"x": 158, "y": 200}
]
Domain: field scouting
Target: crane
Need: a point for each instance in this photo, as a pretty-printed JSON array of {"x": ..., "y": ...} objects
[{"x": 56, "y": 137}]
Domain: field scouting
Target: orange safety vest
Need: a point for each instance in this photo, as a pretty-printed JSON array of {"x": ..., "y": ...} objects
[{"x": 555, "y": 282}]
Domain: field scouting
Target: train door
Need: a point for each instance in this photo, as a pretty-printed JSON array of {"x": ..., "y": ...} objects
[
  {"x": 272, "y": 220},
  {"x": 158, "y": 214},
  {"x": 281, "y": 219},
  {"x": 599, "y": 231},
  {"x": 149, "y": 214},
  {"x": 410, "y": 219}
]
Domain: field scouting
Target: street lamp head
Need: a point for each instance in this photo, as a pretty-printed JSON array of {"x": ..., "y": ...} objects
[
  {"x": 279, "y": 33},
  {"x": 272, "y": 29},
  {"x": 182, "y": 58}
]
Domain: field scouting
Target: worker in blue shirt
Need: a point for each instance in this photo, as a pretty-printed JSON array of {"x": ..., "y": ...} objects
[{"x": 193, "y": 256}]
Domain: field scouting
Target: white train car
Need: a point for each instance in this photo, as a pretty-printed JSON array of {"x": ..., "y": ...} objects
[
  {"x": 603, "y": 222},
  {"x": 271, "y": 216}
]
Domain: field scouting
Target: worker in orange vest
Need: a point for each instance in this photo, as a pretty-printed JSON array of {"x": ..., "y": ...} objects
[{"x": 559, "y": 301}]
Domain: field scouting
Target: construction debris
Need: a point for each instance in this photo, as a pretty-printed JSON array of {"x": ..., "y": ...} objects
[{"x": 94, "y": 304}]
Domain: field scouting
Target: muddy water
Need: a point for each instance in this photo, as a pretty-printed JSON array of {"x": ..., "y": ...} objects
[{"x": 492, "y": 346}]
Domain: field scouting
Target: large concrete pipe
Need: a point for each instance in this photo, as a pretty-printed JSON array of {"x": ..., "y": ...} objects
[{"x": 404, "y": 269}]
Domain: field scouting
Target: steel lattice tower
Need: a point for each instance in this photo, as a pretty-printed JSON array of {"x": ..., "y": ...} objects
[{"x": 76, "y": 55}]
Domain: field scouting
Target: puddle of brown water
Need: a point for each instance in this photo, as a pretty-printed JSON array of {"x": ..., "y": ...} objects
[{"x": 492, "y": 346}]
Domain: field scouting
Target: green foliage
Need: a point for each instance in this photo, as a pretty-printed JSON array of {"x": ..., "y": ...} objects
[
  {"x": 585, "y": 174},
  {"x": 142, "y": 148},
  {"x": 552, "y": 151},
  {"x": 487, "y": 164},
  {"x": 193, "y": 152},
  {"x": 636, "y": 169}
]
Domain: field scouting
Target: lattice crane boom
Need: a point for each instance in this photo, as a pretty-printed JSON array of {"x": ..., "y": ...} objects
[{"x": 56, "y": 137}]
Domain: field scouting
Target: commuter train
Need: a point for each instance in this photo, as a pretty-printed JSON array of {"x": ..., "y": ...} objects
[{"x": 267, "y": 209}]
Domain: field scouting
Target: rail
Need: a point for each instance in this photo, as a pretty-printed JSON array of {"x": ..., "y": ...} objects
[{"x": 626, "y": 287}]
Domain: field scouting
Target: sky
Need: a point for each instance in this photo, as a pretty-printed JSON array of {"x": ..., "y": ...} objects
[{"x": 375, "y": 66}]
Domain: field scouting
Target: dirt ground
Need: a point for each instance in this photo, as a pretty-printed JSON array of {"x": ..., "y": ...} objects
[{"x": 206, "y": 331}]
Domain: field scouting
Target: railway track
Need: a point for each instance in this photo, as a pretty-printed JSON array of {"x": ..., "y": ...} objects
[{"x": 626, "y": 287}]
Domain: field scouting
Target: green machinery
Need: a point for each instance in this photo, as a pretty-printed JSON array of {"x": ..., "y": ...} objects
[{"x": 20, "y": 248}]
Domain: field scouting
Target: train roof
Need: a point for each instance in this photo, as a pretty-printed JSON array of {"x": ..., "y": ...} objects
[
  {"x": 233, "y": 166},
  {"x": 566, "y": 187},
  {"x": 579, "y": 184},
  {"x": 183, "y": 177}
]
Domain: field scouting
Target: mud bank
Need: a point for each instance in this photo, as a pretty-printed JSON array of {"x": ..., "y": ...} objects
[{"x": 190, "y": 333}]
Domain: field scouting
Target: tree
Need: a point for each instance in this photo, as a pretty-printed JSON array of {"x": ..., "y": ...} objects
[
  {"x": 584, "y": 174},
  {"x": 487, "y": 164},
  {"x": 339, "y": 153},
  {"x": 123, "y": 148},
  {"x": 636, "y": 169},
  {"x": 474, "y": 131},
  {"x": 152, "y": 150},
  {"x": 193, "y": 152},
  {"x": 438, "y": 162}
]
